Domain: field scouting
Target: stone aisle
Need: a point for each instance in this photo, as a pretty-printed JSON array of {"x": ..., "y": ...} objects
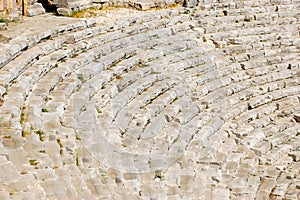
[{"x": 199, "y": 103}]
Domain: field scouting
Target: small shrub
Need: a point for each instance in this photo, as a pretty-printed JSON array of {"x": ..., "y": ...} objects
[
  {"x": 81, "y": 78},
  {"x": 59, "y": 143},
  {"x": 186, "y": 12},
  {"x": 74, "y": 55},
  {"x": 176, "y": 139},
  {"x": 33, "y": 162},
  {"x": 2, "y": 20},
  {"x": 44, "y": 110},
  {"x": 25, "y": 133},
  {"x": 41, "y": 134},
  {"x": 98, "y": 110},
  {"x": 77, "y": 160},
  {"x": 22, "y": 118},
  {"x": 23, "y": 172},
  {"x": 118, "y": 77},
  {"x": 247, "y": 19},
  {"x": 77, "y": 137}
]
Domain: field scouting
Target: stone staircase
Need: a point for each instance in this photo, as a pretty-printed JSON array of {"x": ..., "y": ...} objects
[{"x": 178, "y": 103}]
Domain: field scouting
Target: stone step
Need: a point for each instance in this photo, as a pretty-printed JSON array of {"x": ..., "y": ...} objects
[
  {"x": 245, "y": 107},
  {"x": 258, "y": 90},
  {"x": 187, "y": 101},
  {"x": 69, "y": 38},
  {"x": 20, "y": 44}
]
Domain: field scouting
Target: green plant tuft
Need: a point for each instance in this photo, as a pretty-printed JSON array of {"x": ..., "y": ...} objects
[{"x": 44, "y": 110}]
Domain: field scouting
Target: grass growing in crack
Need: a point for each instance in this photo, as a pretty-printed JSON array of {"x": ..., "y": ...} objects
[
  {"x": 2, "y": 20},
  {"x": 77, "y": 137},
  {"x": 186, "y": 12},
  {"x": 99, "y": 111},
  {"x": 247, "y": 19},
  {"x": 45, "y": 110},
  {"x": 142, "y": 65},
  {"x": 158, "y": 175},
  {"x": 60, "y": 145},
  {"x": 206, "y": 106},
  {"x": 77, "y": 159},
  {"x": 176, "y": 139},
  {"x": 33, "y": 162},
  {"x": 74, "y": 55},
  {"x": 81, "y": 78},
  {"x": 41, "y": 134},
  {"x": 25, "y": 133},
  {"x": 22, "y": 118},
  {"x": 118, "y": 77}
]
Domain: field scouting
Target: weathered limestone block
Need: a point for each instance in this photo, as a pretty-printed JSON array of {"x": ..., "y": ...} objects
[
  {"x": 18, "y": 157},
  {"x": 100, "y": 1},
  {"x": 45, "y": 174},
  {"x": 35, "y": 9},
  {"x": 143, "y": 5},
  {"x": 52, "y": 187},
  {"x": 297, "y": 117},
  {"x": 221, "y": 193},
  {"x": 295, "y": 155},
  {"x": 4, "y": 195},
  {"x": 64, "y": 11},
  {"x": 190, "y": 3},
  {"x": 53, "y": 149},
  {"x": 51, "y": 122},
  {"x": 60, "y": 3},
  {"x": 3, "y": 26},
  {"x": 25, "y": 195},
  {"x": 8, "y": 172},
  {"x": 13, "y": 142}
]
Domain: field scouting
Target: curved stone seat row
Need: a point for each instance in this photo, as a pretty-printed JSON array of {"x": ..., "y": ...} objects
[{"x": 170, "y": 104}]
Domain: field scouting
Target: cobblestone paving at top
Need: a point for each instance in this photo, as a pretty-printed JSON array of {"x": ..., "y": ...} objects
[{"x": 178, "y": 103}]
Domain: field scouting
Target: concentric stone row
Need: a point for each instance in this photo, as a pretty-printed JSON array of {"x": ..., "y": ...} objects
[{"x": 169, "y": 104}]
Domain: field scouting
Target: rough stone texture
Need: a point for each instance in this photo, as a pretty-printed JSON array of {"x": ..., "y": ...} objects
[
  {"x": 297, "y": 117},
  {"x": 190, "y": 3},
  {"x": 136, "y": 4},
  {"x": 11, "y": 10},
  {"x": 64, "y": 11},
  {"x": 2, "y": 27},
  {"x": 35, "y": 9},
  {"x": 178, "y": 103}
]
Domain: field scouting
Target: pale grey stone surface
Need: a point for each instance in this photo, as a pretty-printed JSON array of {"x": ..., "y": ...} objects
[
  {"x": 190, "y": 3},
  {"x": 163, "y": 104},
  {"x": 35, "y": 9},
  {"x": 3, "y": 26},
  {"x": 64, "y": 11}
]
